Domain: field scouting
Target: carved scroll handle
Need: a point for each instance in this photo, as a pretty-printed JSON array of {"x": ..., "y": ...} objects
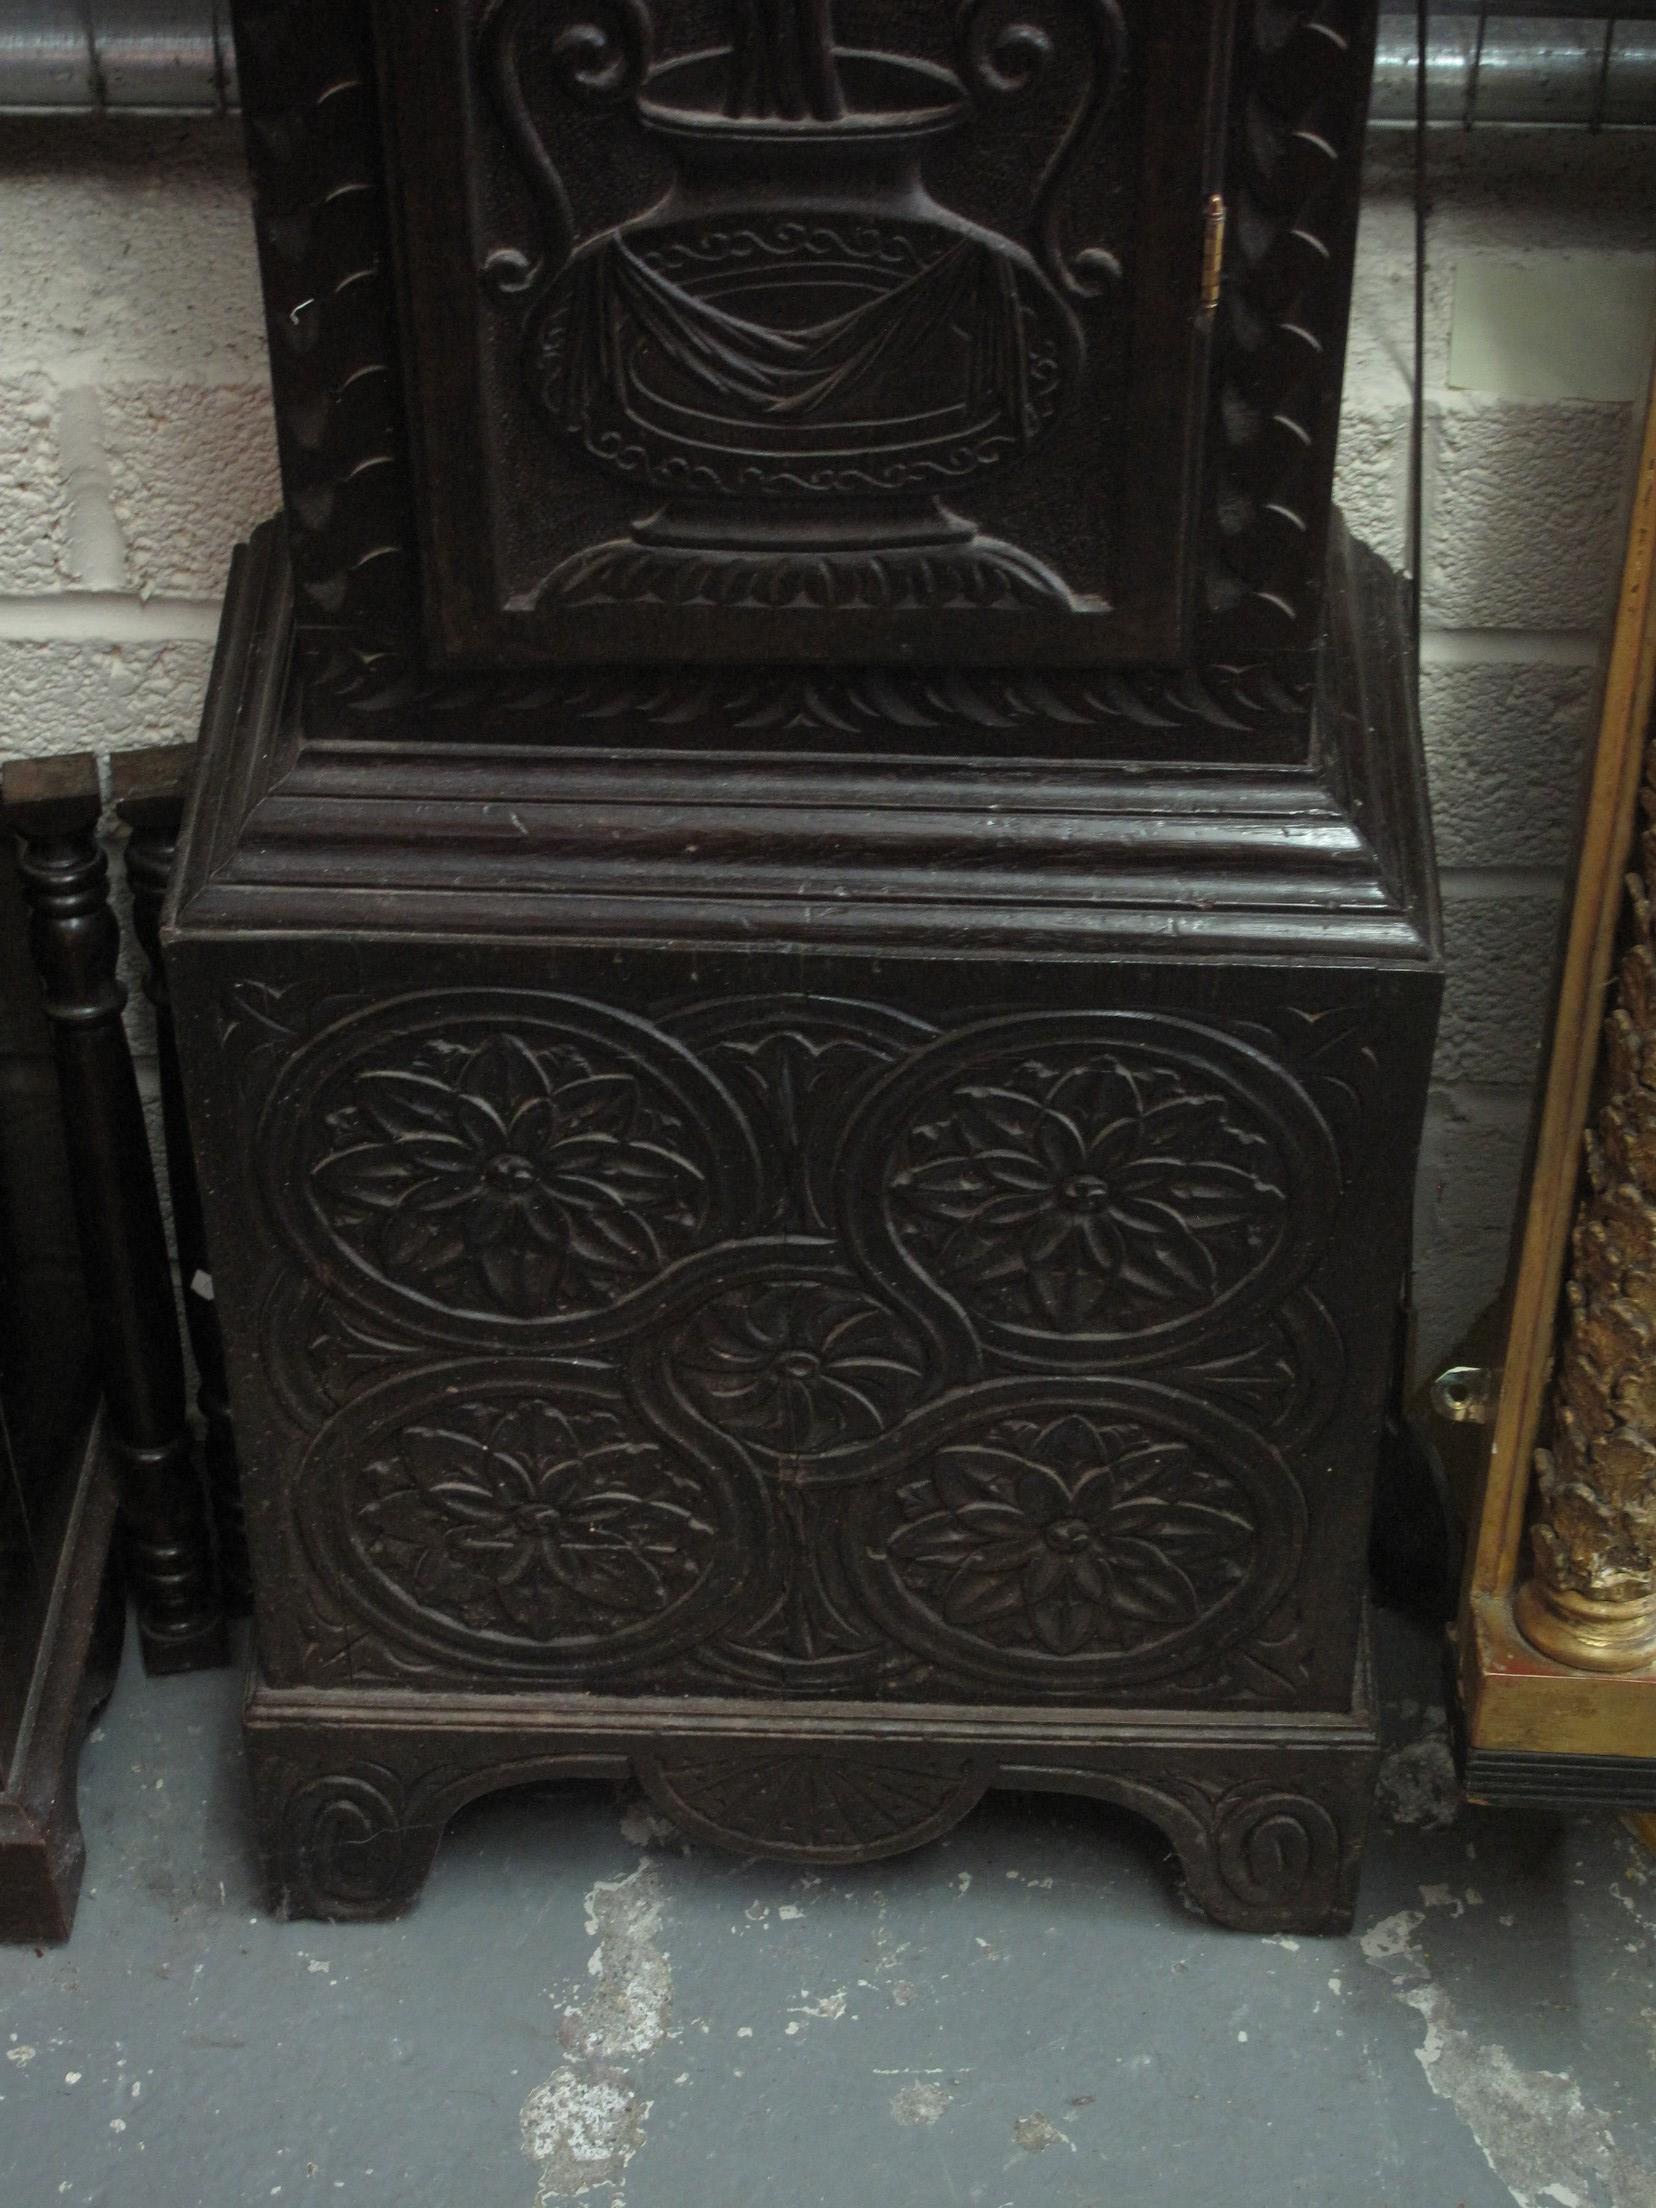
[
  {"x": 1001, "y": 55},
  {"x": 601, "y": 52}
]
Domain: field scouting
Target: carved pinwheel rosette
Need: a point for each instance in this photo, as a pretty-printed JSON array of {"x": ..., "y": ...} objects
[
  {"x": 496, "y": 1164},
  {"x": 1076, "y": 1185},
  {"x": 524, "y": 1522},
  {"x": 1084, "y": 1536},
  {"x": 776, "y": 1347}
]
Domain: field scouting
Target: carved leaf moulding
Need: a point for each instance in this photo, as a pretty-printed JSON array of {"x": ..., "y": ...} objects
[{"x": 1145, "y": 707}]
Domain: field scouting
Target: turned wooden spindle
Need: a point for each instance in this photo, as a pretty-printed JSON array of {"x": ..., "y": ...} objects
[
  {"x": 149, "y": 788},
  {"x": 53, "y": 807}
]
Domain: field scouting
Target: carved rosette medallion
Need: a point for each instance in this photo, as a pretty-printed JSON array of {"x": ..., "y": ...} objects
[
  {"x": 811, "y": 1804},
  {"x": 804, "y": 1372},
  {"x": 500, "y": 1163},
  {"x": 1101, "y": 1183},
  {"x": 521, "y": 1520},
  {"x": 1095, "y": 1535}
]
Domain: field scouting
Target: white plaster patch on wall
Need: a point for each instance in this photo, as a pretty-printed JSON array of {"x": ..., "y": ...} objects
[
  {"x": 584, "y": 2125},
  {"x": 1534, "y": 2128},
  {"x": 96, "y": 550}
]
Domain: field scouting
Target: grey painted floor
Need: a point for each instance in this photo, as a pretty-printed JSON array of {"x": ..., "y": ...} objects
[{"x": 1023, "y": 2016}]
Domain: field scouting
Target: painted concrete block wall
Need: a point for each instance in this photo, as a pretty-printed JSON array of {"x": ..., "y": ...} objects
[
  {"x": 136, "y": 447},
  {"x": 1524, "y": 510}
]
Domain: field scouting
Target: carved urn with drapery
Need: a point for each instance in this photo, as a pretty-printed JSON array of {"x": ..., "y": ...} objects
[{"x": 797, "y": 347}]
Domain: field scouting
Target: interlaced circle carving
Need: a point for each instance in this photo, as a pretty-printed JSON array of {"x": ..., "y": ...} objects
[{"x": 773, "y": 1428}]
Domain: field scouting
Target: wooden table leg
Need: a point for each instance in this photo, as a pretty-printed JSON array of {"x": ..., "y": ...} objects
[
  {"x": 53, "y": 806},
  {"x": 149, "y": 790}
]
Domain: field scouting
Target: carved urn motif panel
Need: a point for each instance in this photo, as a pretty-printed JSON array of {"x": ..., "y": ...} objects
[
  {"x": 645, "y": 333},
  {"x": 735, "y": 354}
]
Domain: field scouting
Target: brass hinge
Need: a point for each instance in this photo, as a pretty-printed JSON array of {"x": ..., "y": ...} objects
[{"x": 1213, "y": 252}]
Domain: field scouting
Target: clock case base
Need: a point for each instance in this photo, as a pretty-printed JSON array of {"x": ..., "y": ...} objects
[
  {"x": 1240, "y": 893},
  {"x": 1266, "y": 1813}
]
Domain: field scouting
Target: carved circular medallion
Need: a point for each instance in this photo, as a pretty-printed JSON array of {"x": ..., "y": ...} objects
[
  {"x": 519, "y": 1521},
  {"x": 500, "y": 1162},
  {"x": 802, "y": 1371},
  {"x": 1079, "y": 1535},
  {"x": 812, "y": 1805},
  {"x": 1086, "y": 1182}
]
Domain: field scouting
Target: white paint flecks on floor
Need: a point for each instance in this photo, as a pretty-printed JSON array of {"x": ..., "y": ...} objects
[
  {"x": 1535, "y": 2130},
  {"x": 1024, "y": 2015},
  {"x": 920, "y": 2102},
  {"x": 585, "y": 2124}
]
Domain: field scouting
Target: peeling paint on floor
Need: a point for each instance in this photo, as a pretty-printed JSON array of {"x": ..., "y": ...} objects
[
  {"x": 1533, "y": 2127},
  {"x": 1037, "y": 2132},
  {"x": 920, "y": 2103},
  {"x": 583, "y": 1985},
  {"x": 585, "y": 2124}
]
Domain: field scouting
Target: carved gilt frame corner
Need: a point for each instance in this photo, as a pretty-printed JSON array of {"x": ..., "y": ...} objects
[{"x": 1532, "y": 1724}]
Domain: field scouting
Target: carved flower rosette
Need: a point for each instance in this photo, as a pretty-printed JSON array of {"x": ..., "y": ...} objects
[
  {"x": 522, "y": 1521},
  {"x": 499, "y": 1163},
  {"x": 1093, "y": 1184},
  {"x": 1090, "y": 1535}
]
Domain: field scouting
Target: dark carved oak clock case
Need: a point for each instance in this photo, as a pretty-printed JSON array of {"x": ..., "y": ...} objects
[{"x": 806, "y": 951}]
